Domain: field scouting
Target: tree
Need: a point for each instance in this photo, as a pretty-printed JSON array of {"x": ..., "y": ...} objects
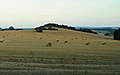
[
  {"x": 117, "y": 34},
  {"x": 39, "y": 29},
  {"x": 11, "y": 28},
  {"x": 107, "y": 34}
]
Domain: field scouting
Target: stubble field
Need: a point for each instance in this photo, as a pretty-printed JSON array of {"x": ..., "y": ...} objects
[{"x": 25, "y": 53}]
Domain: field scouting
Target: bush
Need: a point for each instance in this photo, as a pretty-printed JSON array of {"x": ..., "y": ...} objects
[
  {"x": 39, "y": 29},
  {"x": 107, "y": 34}
]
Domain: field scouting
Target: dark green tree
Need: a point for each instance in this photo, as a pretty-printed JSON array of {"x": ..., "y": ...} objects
[
  {"x": 107, "y": 34},
  {"x": 39, "y": 29},
  {"x": 11, "y": 28},
  {"x": 117, "y": 34}
]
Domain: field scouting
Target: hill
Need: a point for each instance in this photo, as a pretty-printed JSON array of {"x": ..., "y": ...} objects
[
  {"x": 25, "y": 52},
  {"x": 54, "y": 26}
]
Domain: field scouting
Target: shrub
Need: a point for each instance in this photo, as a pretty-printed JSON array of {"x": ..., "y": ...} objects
[
  {"x": 107, "y": 34},
  {"x": 39, "y": 29}
]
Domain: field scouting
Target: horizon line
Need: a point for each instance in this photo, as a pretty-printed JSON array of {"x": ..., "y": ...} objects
[{"x": 67, "y": 25}]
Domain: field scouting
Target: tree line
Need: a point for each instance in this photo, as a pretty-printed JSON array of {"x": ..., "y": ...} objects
[{"x": 54, "y": 26}]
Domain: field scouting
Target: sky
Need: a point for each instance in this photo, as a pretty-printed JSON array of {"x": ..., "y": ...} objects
[{"x": 32, "y": 13}]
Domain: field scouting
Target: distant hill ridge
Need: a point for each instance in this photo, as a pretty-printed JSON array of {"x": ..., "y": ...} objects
[{"x": 54, "y": 26}]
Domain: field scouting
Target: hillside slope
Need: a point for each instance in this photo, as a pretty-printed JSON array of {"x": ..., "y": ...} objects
[{"x": 25, "y": 52}]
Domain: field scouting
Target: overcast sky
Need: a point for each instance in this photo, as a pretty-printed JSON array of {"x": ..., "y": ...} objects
[{"x": 32, "y": 13}]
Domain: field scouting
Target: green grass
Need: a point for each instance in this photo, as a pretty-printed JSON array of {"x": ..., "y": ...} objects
[{"x": 24, "y": 53}]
